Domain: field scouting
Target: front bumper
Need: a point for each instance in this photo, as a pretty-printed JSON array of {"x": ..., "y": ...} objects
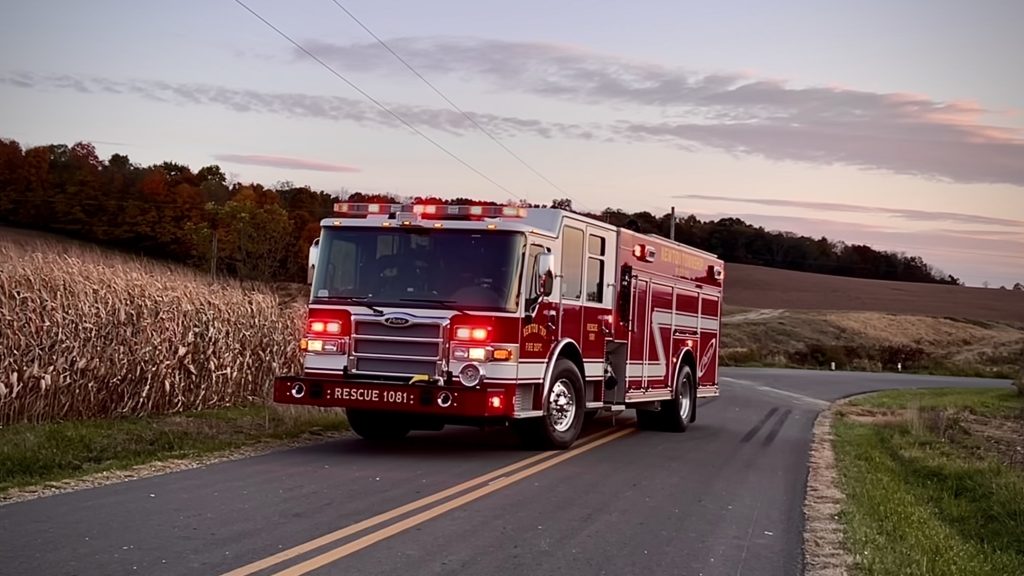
[{"x": 429, "y": 399}]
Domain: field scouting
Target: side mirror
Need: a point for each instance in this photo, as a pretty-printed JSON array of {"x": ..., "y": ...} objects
[
  {"x": 545, "y": 274},
  {"x": 314, "y": 251}
]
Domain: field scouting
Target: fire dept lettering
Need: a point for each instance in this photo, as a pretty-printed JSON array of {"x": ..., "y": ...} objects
[{"x": 535, "y": 329}]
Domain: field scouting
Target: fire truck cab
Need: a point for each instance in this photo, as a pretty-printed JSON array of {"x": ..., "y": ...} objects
[{"x": 421, "y": 316}]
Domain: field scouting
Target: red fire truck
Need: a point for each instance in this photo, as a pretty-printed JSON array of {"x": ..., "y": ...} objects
[{"x": 425, "y": 315}]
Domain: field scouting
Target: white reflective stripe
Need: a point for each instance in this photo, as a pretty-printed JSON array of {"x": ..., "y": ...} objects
[
  {"x": 654, "y": 370},
  {"x": 682, "y": 320},
  {"x": 496, "y": 370},
  {"x": 593, "y": 369},
  {"x": 709, "y": 324},
  {"x": 532, "y": 371}
]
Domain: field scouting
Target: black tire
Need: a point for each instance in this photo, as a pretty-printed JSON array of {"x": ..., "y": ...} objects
[
  {"x": 676, "y": 414},
  {"x": 377, "y": 426},
  {"x": 562, "y": 421}
]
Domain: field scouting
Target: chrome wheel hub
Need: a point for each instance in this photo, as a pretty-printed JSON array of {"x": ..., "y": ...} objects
[
  {"x": 561, "y": 406},
  {"x": 684, "y": 398}
]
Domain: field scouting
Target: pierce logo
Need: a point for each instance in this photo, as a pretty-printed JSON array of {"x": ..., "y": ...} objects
[
  {"x": 396, "y": 321},
  {"x": 705, "y": 359}
]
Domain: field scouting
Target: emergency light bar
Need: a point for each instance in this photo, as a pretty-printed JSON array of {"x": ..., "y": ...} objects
[{"x": 429, "y": 210}]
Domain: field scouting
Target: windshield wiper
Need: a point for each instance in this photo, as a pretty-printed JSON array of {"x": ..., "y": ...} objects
[
  {"x": 445, "y": 303},
  {"x": 355, "y": 299}
]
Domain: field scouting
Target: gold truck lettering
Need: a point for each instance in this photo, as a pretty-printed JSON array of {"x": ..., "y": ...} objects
[
  {"x": 535, "y": 329},
  {"x": 683, "y": 261}
]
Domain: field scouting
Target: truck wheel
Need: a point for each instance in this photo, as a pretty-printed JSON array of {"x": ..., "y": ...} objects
[
  {"x": 562, "y": 421},
  {"x": 679, "y": 412},
  {"x": 377, "y": 426}
]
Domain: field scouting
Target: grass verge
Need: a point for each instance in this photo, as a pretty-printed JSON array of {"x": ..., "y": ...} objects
[
  {"x": 929, "y": 488},
  {"x": 34, "y": 454}
]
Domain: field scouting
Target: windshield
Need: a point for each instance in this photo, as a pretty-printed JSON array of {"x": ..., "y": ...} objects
[{"x": 467, "y": 269}]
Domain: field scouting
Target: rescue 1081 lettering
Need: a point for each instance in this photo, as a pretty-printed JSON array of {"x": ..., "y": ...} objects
[{"x": 424, "y": 315}]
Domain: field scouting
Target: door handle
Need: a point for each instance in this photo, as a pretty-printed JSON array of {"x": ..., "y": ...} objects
[{"x": 551, "y": 314}]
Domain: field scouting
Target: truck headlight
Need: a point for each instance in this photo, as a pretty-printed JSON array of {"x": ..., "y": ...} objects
[
  {"x": 471, "y": 375},
  {"x": 476, "y": 353}
]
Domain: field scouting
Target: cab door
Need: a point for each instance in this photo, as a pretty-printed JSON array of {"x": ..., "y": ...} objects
[
  {"x": 539, "y": 327},
  {"x": 598, "y": 299}
]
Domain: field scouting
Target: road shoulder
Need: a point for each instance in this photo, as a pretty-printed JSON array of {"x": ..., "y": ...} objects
[
  {"x": 161, "y": 467},
  {"x": 825, "y": 551}
]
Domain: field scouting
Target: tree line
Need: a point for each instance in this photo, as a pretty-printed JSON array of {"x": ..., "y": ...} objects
[{"x": 255, "y": 232}]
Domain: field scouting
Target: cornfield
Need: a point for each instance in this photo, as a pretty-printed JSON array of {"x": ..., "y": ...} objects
[{"x": 85, "y": 333}]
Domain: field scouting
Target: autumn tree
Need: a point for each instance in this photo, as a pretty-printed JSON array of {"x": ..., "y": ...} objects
[
  {"x": 169, "y": 211},
  {"x": 12, "y": 174}
]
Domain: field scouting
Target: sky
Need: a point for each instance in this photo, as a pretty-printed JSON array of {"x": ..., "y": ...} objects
[{"x": 899, "y": 125}]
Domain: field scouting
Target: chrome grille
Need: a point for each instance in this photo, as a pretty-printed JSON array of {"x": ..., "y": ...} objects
[
  {"x": 396, "y": 367},
  {"x": 378, "y": 328},
  {"x": 398, "y": 350},
  {"x": 524, "y": 398}
]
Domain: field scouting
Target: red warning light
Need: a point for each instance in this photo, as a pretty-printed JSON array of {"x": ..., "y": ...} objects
[
  {"x": 495, "y": 401},
  {"x": 644, "y": 253}
]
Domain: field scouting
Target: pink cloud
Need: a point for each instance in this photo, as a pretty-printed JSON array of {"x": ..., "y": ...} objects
[
  {"x": 908, "y": 214},
  {"x": 902, "y": 133},
  {"x": 283, "y": 162}
]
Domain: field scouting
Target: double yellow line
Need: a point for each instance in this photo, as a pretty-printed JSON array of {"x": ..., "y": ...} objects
[{"x": 493, "y": 481}]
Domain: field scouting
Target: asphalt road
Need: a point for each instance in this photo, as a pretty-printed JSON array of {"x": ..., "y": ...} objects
[{"x": 723, "y": 498}]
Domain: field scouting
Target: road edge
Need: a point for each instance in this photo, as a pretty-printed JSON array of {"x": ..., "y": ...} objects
[
  {"x": 161, "y": 467},
  {"x": 824, "y": 546}
]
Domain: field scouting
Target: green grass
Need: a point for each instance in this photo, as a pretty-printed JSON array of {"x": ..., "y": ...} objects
[
  {"x": 32, "y": 454},
  {"x": 920, "y": 505},
  {"x": 992, "y": 402}
]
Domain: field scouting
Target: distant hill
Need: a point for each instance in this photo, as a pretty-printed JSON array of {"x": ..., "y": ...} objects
[{"x": 759, "y": 287}]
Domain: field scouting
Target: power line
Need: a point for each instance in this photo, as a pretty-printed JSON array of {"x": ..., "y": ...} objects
[
  {"x": 449, "y": 101},
  {"x": 379, "y": 104}
]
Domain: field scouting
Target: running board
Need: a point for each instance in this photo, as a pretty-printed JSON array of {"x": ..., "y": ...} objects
[{"x": 652, "y": 397}]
